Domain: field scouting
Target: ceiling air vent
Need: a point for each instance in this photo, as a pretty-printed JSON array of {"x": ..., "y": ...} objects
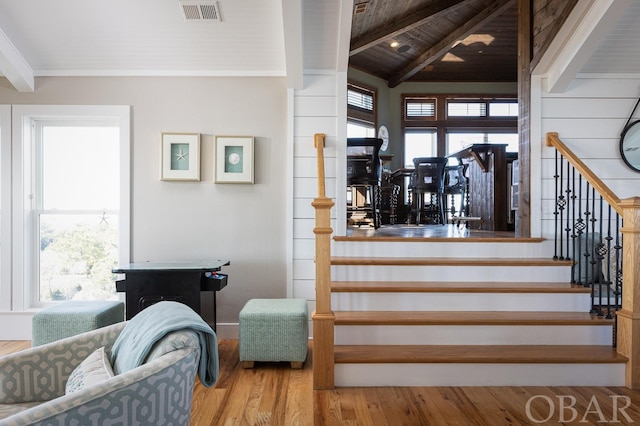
[
  {"x": 200, "y": 10},
  {"x": 360, "y": 7}
]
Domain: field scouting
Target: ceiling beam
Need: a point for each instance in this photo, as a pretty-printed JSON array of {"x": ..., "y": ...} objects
[
  {"x": 402, "y": 25},
  {"x": 344, "y": 35},
  {"x": 14, "y": 67},
  {"x": 588, "y": 28},
  {"x": 293, "y": 55},
  {"x": 446, "y": 44}
]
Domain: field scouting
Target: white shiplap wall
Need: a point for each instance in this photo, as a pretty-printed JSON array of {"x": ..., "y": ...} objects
[
  {"x": 316, "y": 109},
  {"x": 589, "y": 117}
]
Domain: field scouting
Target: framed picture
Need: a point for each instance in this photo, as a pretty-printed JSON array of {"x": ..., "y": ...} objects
[
  {"x": 180, "y": 156},
  {"x": 234, "y": 159}
]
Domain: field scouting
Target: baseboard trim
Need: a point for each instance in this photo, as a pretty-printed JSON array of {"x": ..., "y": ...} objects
[{"x": 16, "y": 325}]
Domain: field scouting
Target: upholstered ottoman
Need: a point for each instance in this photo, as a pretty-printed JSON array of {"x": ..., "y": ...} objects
[
  {"x": 274, "y": 330},
  {"x": 74, "y": 317}
]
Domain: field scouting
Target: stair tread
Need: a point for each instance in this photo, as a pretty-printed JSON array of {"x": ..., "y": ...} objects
[
  {"x": 449, "y": 261},
  {"x": 557, "y": 354},
  {"x": 456, "y": 287},
  {"x": 433, "y": 239},
  {"x": 467, "y": 318}
]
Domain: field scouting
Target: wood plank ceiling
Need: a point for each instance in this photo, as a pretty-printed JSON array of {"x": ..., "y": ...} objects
[{"x": 435, "y": 40}]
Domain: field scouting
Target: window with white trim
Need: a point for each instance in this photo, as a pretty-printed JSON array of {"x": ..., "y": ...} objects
[{"x": 75, "y": 194}]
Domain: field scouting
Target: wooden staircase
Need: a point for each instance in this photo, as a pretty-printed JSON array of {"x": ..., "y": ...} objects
[
  {"x": 464, "y": 312},
  {"x": 425, "y": 320}
]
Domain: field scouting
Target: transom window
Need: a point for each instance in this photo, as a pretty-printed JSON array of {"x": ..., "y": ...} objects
[{"x": 454, "y": 122}]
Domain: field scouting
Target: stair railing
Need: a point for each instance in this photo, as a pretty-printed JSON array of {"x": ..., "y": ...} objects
[
  {"x": 590, "y": 222},
  {"x": 323, "y": 317},
  {"x": 587, "y": 229}
]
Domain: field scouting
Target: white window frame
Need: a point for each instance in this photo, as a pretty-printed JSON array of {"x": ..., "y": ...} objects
[
  {"x": 23, "y": 279},
  {"x": 5, "y": 208}
]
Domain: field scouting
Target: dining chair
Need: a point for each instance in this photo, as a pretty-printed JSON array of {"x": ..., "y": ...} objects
[
  {"x": 455, "y": 187},
  {"x": 428, "y": 178},
  {"x": 364, "y": 173}
]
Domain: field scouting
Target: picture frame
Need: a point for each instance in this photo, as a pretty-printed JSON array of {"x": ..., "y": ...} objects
[
  {"x": 234, "y": 159},
  {"x": 180, "y": 159}
]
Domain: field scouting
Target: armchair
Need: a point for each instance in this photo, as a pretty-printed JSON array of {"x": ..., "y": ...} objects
[{"x": 158, "y": 392}]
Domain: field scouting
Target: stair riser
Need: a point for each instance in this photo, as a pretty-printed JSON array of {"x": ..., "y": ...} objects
[
  {"x": 479, "y": 374},
  {"x": 443, "y": 249},
  {"x": 472, "y": 335},
  {"x": 452, "y": 273},
  {"x": 460, "y": 302}
]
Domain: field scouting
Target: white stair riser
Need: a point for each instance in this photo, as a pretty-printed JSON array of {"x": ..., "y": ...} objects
[
  {"x": 460, "y": 302},
  {"x": 451, "y": 248},
  {"x": 482, "y": 374},
  {"x": 452, "y": 273},
  {"x": 473, "y": 335}
]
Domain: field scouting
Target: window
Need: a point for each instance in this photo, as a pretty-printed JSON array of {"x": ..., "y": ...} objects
[
  {"x": 76, "y": 209},
  {"x": 75, "y": 227},
  {"x": 361, "y": 106},
  {"x": 466, "y": 109},
  {"x": 360, "y": 130},
  {"x": 419, "y": 109},
  {"x": 459, "y": 140},
  {"x": 503, "y": 109},
  {"x": 456, "y": 121},
  {"x": 360, "y": 99},
  {"x": 419, "y": 143}
]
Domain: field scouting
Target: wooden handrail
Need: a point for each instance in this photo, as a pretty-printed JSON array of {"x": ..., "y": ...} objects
[
  {"x": 607, "y": 194},
  {"x": 323, "y": 317}
]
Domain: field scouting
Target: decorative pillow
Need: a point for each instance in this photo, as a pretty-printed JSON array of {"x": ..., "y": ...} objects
[{"x": 93, "y": 370}]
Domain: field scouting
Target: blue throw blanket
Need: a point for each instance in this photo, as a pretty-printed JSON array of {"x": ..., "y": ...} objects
[{"x": 151, "y": 324}]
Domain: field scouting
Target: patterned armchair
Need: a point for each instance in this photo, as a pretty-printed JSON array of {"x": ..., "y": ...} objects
[{"x": 158, "y": 392}]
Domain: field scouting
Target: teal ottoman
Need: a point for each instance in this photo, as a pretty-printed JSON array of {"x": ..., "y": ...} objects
[
  {"x": 274, "y": 330},
  {"x": 73, "y": 317}
]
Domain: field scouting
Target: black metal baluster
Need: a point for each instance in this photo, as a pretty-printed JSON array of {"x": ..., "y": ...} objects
[
  {"x": 555, "y": 209},
  {"x": 569, "y": 196},
  {"x": 607, "y": 280},
  {"x": 580, "y": 227},
  {"x": 588, "y": 249},
  {"x": 598, "y": 253},
  {"x": 561, "y": 203}
]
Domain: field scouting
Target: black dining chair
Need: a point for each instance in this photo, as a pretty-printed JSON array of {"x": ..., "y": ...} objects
[
  {"x": 455, "y": 186},
  {"x": 428, "y": 178},
  {"x": 364, "y": 174}
]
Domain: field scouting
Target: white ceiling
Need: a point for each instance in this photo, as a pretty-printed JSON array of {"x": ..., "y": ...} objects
[
  {"x": 255, "y": 38},
  {"x": 151, "y": 37}
]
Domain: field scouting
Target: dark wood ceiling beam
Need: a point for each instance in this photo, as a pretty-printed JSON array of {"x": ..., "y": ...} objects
[
  {"x": 446, "y": 44},
  {"x": 401, "y": 25}
]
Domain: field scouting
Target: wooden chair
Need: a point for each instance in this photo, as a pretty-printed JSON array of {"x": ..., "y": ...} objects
[
  {"x": 428, "y": 178},
  {"x": 364, "y": 173},
  {"x": 455, "y": 185}
]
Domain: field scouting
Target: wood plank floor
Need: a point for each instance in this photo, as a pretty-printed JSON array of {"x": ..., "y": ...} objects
[{"x": 274, "y": 394}]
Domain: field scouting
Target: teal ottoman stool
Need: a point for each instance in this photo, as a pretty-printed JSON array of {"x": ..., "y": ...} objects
[
  {"x": 274, "y": 330},
  {"x": 73, "y": 317}
]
